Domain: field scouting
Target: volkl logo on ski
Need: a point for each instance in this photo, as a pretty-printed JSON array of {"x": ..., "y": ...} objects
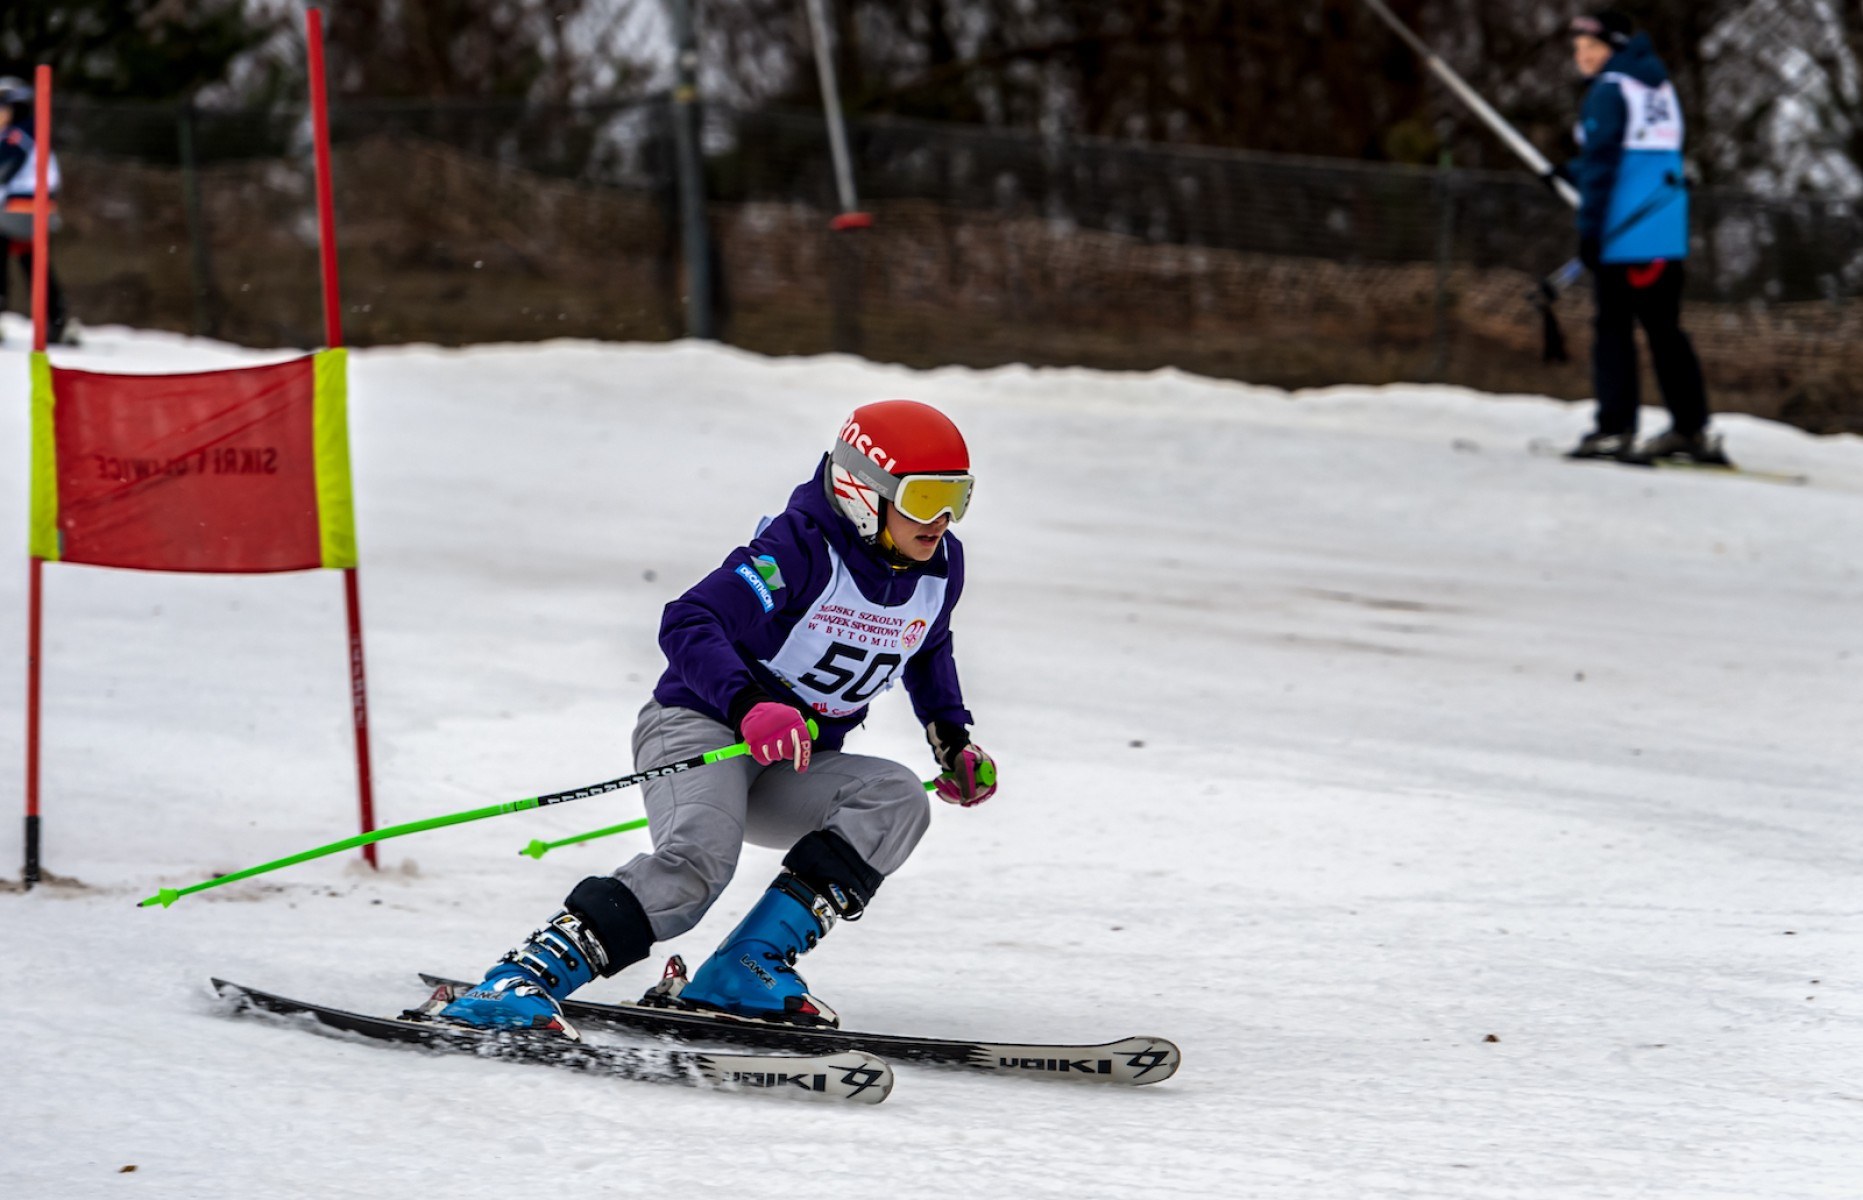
[
  {"x": 1062, "y": 1066},
  {"x": 1146, "y": 1061},
  {"x": 860, "y": 1079},
  {"x": 777, "y": 1079}
]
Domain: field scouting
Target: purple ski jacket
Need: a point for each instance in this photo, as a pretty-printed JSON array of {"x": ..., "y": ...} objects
[{"x": 719, "y": 634}]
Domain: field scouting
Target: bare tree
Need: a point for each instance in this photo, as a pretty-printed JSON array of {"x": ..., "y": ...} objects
[
  {"x": 550, "y": 51},
  {"x": 1771, "y": 87}
]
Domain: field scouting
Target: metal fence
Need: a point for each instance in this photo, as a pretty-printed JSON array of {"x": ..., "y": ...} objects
[{"x": 467, "y": 223}]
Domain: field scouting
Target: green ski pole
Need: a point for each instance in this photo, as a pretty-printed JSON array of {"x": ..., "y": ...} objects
[
  {"x": 167, "y": 896},
  {"x": 537, "y": 848}
]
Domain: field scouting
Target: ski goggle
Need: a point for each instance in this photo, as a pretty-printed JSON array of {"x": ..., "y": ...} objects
[{"x": 925, "y": 498}]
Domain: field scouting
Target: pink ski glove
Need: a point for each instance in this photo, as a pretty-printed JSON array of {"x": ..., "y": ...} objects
[
  {"x": 972, "y": 781},
  {"x": 969, "y": 776},
  {"x": 775, "y": 732}
]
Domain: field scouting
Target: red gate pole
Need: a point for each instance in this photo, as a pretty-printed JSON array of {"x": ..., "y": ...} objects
[
  {"x": 359, "y": 707},
  {"x": 326, "y": 214},
  {"x": 41, "y": 199},
  {"x": 36, "y": 569},
  {"x": 333, "y": 336},
  {"x": 41, "y": 244}
]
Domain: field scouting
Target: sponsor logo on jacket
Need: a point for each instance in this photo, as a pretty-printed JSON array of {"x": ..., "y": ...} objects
[{"x": 750, "y": 576}]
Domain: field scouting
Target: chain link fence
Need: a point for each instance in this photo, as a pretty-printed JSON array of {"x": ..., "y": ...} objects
[{"x": 469, "y": 223}]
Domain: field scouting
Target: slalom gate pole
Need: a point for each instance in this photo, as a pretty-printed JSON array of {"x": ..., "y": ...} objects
[
  {"x": 333, "y": 337},
  {"x": 41, "y": 201},
  {"x": 34, "y": 622},
  {"x": 41, "y": 274},
  {"x": 326, "y": 214},
  {"x": 167, "y": 896}
]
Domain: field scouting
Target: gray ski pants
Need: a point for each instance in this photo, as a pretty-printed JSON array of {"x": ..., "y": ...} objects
[{"x": 700, "y": 819}]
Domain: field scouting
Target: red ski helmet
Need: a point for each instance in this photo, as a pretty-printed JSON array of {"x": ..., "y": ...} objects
[{"x": 903, "y": 453}]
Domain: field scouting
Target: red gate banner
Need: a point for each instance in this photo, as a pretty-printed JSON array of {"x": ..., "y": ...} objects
[{"x": 235, "y": 471}]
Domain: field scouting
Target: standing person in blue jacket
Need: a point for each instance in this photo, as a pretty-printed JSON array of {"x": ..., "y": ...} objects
[
  {"x": 847, "y": 591},
  {"x": 18, "y": 186},
  {"x": 1633, "y": 235}
]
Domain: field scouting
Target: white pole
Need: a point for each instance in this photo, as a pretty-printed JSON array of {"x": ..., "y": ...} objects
[
  {"x": 1515, "y": 142},
  {"x": 831, "y": 104}
]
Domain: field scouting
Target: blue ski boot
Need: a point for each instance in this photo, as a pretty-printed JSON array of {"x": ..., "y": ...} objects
[
  {"x": 521, "y": 990},
  {"x": 602, "y": 929},
  {"x": 753, "y": 973}
]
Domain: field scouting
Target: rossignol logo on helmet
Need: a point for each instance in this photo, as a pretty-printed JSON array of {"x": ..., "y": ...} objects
[{"x": 851, "y": 434}]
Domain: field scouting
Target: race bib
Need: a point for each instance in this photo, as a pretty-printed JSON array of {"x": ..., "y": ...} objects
[
  {"x": 1653, "y": 120},
  {"x": 848, "y": 649}
]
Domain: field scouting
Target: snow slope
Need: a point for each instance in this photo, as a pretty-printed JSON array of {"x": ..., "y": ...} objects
[{"x": 1481, "y": 825}]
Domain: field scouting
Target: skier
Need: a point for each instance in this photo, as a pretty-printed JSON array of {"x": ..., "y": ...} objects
[
  {"x": 847, "y": 590},
  {"x": 18, "y": 186},
  {"x": 1633, "y": 235}
]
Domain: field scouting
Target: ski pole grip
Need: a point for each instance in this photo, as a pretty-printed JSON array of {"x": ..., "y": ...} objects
[{"x": 739, "y": 749}]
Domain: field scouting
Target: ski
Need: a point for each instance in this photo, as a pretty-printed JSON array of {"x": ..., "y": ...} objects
[
  {"x": 1684, "y": 464},
  {"x": 1543, "y": 448},
  {"x": 1130, "y": 1061},
  {"x": 845, "y": 1074}
]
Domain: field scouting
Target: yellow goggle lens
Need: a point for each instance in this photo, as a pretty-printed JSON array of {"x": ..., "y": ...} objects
[{"x": 924, "y": 498}]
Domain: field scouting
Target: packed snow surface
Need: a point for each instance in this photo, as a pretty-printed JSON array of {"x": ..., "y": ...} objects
[{"x": 1480, "y": 824}]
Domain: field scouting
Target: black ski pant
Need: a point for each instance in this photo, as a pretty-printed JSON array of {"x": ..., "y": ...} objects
[
  {"x": 1649, "y": 294},
  {"x": 55, "y": 313}
]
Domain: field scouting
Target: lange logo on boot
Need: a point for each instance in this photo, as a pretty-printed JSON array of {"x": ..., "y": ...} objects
[
  {"x": 1062, "y": 1066},
  {"x": 763, "y": 976}
]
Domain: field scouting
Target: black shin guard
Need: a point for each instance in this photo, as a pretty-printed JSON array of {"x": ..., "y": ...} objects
[
  {"x": 612, "y": 913},
  {"x": 835, "y": 870}
]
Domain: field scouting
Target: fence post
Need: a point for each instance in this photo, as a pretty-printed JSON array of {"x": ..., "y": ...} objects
[
  {"x": 206, "y": 312},
  {"x": 1445, "y": 247},
  {"x": 688, "y": 151}
]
